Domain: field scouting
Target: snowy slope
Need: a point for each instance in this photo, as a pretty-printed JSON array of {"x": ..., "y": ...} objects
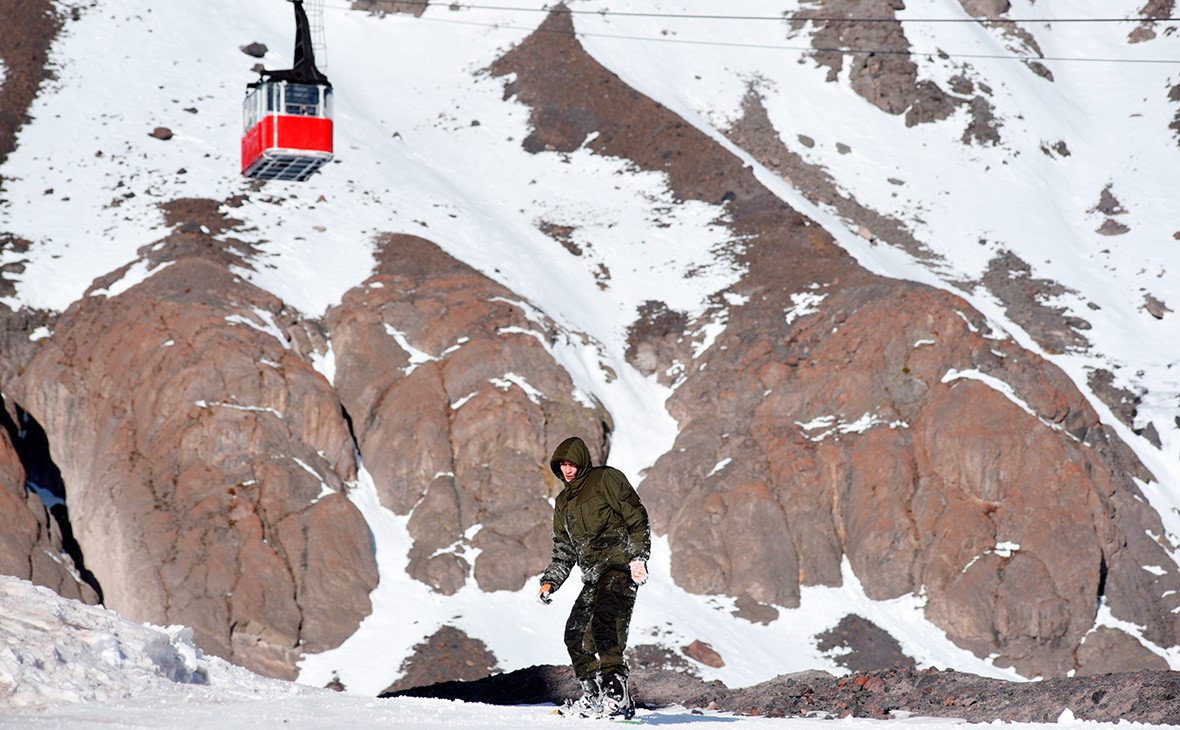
[
  {"x": 427, "y": 145},
  {"x": 67, "y": 665}
]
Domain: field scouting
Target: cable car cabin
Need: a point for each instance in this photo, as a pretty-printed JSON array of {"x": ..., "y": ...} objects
[{"x": 287, "y": 130}]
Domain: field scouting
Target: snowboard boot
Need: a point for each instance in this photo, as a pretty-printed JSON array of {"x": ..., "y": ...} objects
[
  {"x": 616, "y": 697},
  {"x": 589, "y": 704}
]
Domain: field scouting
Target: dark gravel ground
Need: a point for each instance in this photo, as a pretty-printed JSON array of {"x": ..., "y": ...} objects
[{"x": 1147, "y": 697}]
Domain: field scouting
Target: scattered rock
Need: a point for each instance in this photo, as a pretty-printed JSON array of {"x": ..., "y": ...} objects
[
  {"x": 1108, "y": 204},
  {"x": 1155, "y": 307},
  {"x": 1111, "y": 227},
  {"x": 256, "y": 50},
  {"x": 1145, "y": 697},
  {"x": 703, "y": 653},
  {"x": 161, "y": 133}
]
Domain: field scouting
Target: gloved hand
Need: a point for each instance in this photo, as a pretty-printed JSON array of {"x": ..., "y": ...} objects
[
  {"x": 639, "y": 571},
  {"x": 543, "y": 594}
]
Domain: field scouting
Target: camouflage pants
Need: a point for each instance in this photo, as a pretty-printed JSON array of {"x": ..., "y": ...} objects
[{"x": 596, "y": 632}]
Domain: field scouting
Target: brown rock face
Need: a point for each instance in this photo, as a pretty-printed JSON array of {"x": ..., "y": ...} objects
[
  {"x": 844, "y": 416},
  {"x": 457, "y": 405},
  {"x": 205, "y": 460},
  {"x": 887, "y": 429}
]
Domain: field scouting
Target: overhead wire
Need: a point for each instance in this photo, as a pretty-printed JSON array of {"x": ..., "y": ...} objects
[
  {"x": 777, "y": 18},
  {"x": 792, "y": 18}
]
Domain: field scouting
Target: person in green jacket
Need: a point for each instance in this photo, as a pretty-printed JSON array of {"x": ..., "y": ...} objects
[{"x": 600, "y": 525}]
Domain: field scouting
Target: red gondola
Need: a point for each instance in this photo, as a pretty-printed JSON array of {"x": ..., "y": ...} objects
[{"x": 287, "y": 116}]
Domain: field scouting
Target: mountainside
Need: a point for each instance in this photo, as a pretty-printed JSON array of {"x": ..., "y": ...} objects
[{"x": 870, "y": 299}]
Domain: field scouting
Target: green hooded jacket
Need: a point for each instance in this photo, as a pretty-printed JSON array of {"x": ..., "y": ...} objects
[{"x": 598, "y": 521}]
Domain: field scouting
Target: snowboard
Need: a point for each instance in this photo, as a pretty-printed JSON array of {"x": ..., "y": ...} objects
[{"x": 589, "y": 716}]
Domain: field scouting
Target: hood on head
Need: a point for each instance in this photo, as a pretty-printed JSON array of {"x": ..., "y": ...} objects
[{"x": 573, "y": 450}]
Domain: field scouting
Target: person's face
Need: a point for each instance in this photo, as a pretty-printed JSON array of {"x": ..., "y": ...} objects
[{"x": 568, "y": 470}]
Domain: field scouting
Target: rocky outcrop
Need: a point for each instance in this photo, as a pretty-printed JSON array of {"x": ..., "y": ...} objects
[
  {"x": 895, "y": 693},
  {"x": 883, "y": 73},
  {"x": 457, "y": 404},
  {"x": 206, "y": 461},
  {"x": 842, "y": 416}
]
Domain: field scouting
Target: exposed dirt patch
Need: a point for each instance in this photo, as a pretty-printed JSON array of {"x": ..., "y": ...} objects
[
  {"x": 197, "y": 212},
  {"x": 563, "y": 235},
  {"x": 656, "y": 337},
  {"x": 1148, "y": 697},
  {"x": 1024, "y": 298},
  {"x": 1123, "y": 403},
  {"x": 1174, "y": 95},
  {"x": 450, "y": 654},
  {"x": 1145, "y": 31},
  {"x": 9, "y": 242},
  {"x": 756, "y": 134},
  {"x": 381, "y": 7},
  {"x": 882, "y": 73},
  {"x": 880, "y": 69},
  {"x": 866, "y": 646},
  {"x": 25, "y": 35}
]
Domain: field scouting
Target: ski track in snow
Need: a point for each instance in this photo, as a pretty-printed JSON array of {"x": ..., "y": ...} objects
[{"x": 436, "y": 152}]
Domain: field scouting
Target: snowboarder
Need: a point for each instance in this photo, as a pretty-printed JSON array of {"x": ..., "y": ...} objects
[{"x": 600, "y": 525}]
